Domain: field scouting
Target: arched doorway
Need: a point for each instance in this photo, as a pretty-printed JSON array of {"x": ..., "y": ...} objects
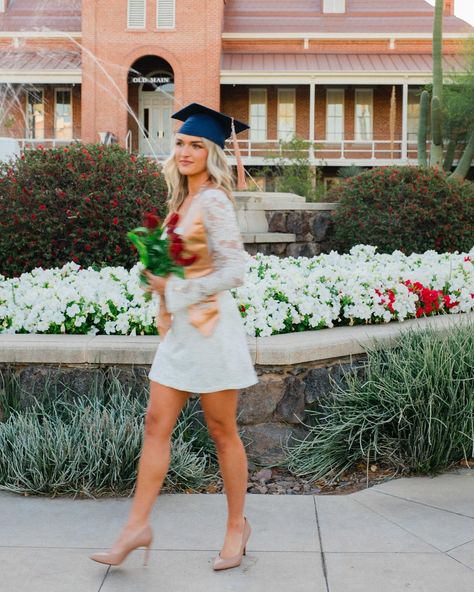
[{"x": 152, "y": 85}]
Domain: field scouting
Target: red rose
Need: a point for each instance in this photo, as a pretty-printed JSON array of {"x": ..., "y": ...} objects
[
  {"x": 42, "y": 207},
  {"x": 173, "y": 221},
  {"x": 176, "y": 248},
  {"x": 151, "y": 221},
  {"x": 115, "y": 220}
]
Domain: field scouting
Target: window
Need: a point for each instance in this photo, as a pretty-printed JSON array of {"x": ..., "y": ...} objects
[
  {"x": 363, "y": 115},
  {"x": 136, "y": 14},
  {"x": 413, "y": 114},
  {"x": 286, "y": 114},
  {"x": 165, "y": 14},
  {"x": 334, "y": 6},
  {"x": 63, "y": 114},
  {"x": 258, "y": 115},
  {"x": 35, "y": 114},
  {"x": 335, "y": 115}
]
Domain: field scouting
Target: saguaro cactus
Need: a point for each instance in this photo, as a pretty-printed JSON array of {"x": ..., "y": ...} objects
[
  {"x": 437, "y": 51},
  {"x": 465, "y": 161},
  {"x": 436, "y": 156},
  {"x": 422, "y": 128}
]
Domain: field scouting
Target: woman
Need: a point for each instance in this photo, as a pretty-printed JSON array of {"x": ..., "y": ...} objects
[{"x": 203, "y": 346}]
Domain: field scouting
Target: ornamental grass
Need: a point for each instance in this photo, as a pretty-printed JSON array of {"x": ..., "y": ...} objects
[
  {"x": 89, "y": 444},
  {"x": 412, "y": 410}
]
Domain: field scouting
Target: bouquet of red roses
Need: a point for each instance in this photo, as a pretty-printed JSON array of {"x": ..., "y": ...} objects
[{"x": 158, "y": 253}]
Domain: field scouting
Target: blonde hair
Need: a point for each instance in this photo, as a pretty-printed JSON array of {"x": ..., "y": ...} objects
[{"x": 218, "y": 168}]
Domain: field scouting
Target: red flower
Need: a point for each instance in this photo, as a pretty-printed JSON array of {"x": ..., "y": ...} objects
[
  {"x": 151, "y": 221},
  {"x": 87, "y": 247},
  {"x": 176, "y": 248},
  {"x": 115, "y": 220},
  {"x": 173, "y": 221},
  {"x": 185, "y": 261},
  {"x": 42, "y": 207}
]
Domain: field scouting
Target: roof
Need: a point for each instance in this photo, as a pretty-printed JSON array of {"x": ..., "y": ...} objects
[
  {"x": 350, "y": 63},
  {"x": 47, "y": 59},
  {"x": 361, "y": 16},
  {"x": 38, "y": 15}
]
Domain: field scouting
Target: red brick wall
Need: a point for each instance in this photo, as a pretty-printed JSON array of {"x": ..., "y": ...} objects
[
  {"x": 192, "y": 49},
  {"x": 235, "y": 101}
]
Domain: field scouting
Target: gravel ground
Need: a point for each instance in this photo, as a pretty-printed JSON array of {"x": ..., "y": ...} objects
[{"x": 278, "y": 481}]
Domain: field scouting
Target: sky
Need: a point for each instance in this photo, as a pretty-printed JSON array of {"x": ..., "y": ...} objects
[{"x": 463, "y": 9}]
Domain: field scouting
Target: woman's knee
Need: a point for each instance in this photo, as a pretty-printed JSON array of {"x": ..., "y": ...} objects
[
  {"x": 224, "y": 435},
  {"x": 158, "y": 426}
]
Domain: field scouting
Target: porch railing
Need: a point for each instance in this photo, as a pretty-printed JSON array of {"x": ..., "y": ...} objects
[{"x": 330, "y": 150}]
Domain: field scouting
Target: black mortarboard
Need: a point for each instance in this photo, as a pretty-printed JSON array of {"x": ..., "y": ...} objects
[{"x": 207, "y": 123}]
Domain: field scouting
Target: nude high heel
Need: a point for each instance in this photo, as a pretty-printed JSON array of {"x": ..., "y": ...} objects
[
  {"x": 142, "y": 538},
  {"x": 235, "y": 560}
]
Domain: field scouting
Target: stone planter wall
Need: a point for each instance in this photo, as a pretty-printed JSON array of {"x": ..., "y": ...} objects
[
  {"x": 295, "y": 370},
  {"x": 312, "y": 230},
  {"x": 284, "y": 224},
  {"x": 269, "y": 412}
]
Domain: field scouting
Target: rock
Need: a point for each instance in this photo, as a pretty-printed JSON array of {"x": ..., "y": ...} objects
[
  {"x": 277, "y": 221},
  {"x": 316, "y": 384},
  {"x": 257, "y": 403},
  {"x": 264, "y": 442},
  {"x": 298, "y": 224},
  {"x": 291, "y": 406},
  {"x": 263, "y": 474},
  {"x": 320, "y": 225}
]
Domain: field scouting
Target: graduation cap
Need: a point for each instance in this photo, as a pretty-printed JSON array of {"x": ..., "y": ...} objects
[{"x": 215, "y": 126}]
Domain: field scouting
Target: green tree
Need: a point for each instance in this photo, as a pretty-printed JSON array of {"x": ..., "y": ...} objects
[{"x": 293, "y": 172}]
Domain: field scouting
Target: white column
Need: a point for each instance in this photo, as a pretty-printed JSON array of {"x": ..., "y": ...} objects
[
  {"x": 312, "y": 102},
  {"x": 405, "y": 122}
]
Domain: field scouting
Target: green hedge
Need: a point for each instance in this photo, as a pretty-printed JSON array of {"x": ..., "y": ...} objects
[
  {"x": 411, "y": 209},
  {"x": 75, "y": 204}
]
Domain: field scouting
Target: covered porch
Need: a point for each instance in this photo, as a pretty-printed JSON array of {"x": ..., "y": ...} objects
[{"x": 361, "y": 109}]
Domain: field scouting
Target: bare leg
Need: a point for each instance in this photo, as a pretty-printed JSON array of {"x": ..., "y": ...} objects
[
  {"x": 163, "y": 410},
  {"x": 220, "y": 412}
]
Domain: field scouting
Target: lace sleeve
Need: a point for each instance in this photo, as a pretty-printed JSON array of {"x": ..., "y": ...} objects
[{"x": 225, "y": 244}]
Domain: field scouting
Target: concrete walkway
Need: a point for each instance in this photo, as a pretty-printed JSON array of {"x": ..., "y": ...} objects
[{"x": 412, "y": 534}]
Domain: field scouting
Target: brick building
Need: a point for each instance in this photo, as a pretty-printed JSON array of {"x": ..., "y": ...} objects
[{"x": 343, "y": 74}]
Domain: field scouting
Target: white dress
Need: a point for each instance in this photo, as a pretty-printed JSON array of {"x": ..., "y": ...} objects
[{"x": 186, "y": 359}]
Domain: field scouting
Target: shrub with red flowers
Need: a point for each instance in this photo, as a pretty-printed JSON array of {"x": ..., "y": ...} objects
[
  {"x": 75, "y": 204},
  {"x": 412, "y": 209}
]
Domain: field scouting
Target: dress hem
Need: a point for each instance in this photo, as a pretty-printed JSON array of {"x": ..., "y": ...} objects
[{"x": 207, "y": 390}]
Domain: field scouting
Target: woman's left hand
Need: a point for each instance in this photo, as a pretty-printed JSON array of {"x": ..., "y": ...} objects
[{"x": 156, "y": 283}]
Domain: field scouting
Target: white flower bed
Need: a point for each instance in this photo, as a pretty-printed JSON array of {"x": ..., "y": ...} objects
[{"x": 279, "y": 295}]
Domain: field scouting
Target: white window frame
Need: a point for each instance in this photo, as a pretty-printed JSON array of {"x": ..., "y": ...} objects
[
  {"x": 357, "y": 135},
  {"x": 265, "y": 131},
  {"x": 334, "y": 6},
  {"x": 69, "y": 90},
  {"x": 280, "y": 91},
  {"x": 343, "y": 102},
  {"x": 28, "y": 128},
  {"x": 143, "y": 7},
  {"x": 173, "y": 5}
]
